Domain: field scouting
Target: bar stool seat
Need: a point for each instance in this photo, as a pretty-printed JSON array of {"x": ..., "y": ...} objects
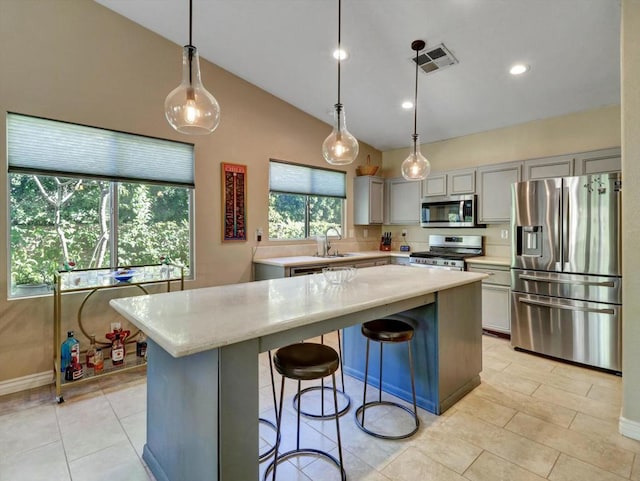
[
  {"x": 345, "y": 400},
  {"x": 386, "y": 331},
  {"x": 303, "y": 362}
]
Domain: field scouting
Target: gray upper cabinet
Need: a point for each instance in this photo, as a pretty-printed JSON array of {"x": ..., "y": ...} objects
[
  {"x": 435, "y": 185},
  {"x": 599, "y": 161},
  {"x": 368, "y": 200},
  {"x": 561, "y": 166},
  {"x": 403, "y": 201},
  {"x": 453, "y": 182},
  {"x": 461, "y": 182},
  {"x": 494, "y": 189}
]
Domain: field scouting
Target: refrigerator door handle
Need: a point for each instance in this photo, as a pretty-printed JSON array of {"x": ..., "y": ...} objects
[
  {"x": 567, "y": 281},
  {"x": 568, "y": 308},
  {"x": 566, "y": 220}
]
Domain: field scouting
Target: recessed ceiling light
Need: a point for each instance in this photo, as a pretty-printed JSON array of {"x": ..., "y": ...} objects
[
  {"x": 340, "y": 53},
  {"x": 518, "y": 69},
  {"x": 407, "y": 105}
]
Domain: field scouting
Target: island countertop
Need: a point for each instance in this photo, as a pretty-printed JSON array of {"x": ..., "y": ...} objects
[{"x": 197, "y": 320}]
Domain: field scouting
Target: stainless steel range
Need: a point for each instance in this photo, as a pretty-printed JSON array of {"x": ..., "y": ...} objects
[{"x": 448, "y": 252}]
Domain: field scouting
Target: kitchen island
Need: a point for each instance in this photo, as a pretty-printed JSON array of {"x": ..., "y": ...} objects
[{"x": 203, "y": 346}]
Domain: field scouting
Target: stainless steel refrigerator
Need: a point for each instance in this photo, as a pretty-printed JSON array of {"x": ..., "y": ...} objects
[{"x": 566, "y": 273}]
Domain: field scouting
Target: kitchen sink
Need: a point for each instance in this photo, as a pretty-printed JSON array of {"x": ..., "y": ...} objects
[{"x": 340, "y": 254}]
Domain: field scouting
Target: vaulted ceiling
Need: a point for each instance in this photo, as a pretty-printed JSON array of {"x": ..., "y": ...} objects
[{"x": 285, "y": 47}]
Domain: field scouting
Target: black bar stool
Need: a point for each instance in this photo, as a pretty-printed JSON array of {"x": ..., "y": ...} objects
[
  {"x": 304, "y": 362},
  {"x": 386, "y": 331},
  {"x": 322, "y": 388},
  {"x": 269, "y": 424}
]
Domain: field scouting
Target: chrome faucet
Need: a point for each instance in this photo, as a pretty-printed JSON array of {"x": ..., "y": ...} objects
[{"x": 327, "y": 244}]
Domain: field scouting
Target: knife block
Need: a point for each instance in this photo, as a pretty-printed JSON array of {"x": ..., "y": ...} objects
[{"x": 385, "y": 247}]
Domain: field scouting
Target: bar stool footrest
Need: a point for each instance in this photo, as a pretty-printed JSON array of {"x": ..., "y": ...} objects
[
  {"x": 305, "y": 452},
  {"x": 358, "y": 416},
  {"x": 329, "y": 415},
  {"x": 266, "y": 454}
]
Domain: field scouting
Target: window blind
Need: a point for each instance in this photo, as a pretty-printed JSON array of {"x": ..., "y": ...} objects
[
  {"x": 299, "y": 179},
  {"x": 37, "y": 145}
]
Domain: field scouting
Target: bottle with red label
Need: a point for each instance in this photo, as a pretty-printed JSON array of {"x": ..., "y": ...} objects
[
  {"x": 117, "y": 351},
  {"x": 91, "y": 352}
]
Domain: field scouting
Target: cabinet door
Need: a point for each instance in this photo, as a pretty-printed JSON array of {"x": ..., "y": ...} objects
[
  {"x": 376, "y": 201},
  {"x": 461, "y": 182},
  {"x": 434, "y": 185},
  {"x": 496, "y": 308},
  {"x": 404, "y": 201},
  {"x": 546, "y": 168},
  {"x": 495, "y": 191},
  {"x": 599, "y": 161},
  {"x": 368, "y": 200}
]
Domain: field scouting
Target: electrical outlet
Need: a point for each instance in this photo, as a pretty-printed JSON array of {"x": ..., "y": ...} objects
[
  {"x": 259, "y": 234},
  {"x": 504, "y": 234}
]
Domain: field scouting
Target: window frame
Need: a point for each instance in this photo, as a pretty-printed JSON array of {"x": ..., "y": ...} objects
[
  {"x": 20, "y": 163},
  {"x": 306, "y": 196}
]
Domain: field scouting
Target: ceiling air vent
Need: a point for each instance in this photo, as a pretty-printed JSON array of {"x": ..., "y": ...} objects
[{"x": 435, "y": 58}]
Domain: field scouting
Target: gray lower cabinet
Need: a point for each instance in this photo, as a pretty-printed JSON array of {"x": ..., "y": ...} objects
[
  {"x": 494, "y": 196},
  {"x": 496, "y": 298},
  {"x": 268, "y": 271},
  {"x": 403, "y": 261}
]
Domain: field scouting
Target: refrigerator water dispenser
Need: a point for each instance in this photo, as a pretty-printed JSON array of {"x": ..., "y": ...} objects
[{"x": 529, "y": 240}]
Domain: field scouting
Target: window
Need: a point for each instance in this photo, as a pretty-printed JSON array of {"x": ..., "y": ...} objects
[
  {"x": 304, "y": 201},
  {"x": 129, "y": 203}
]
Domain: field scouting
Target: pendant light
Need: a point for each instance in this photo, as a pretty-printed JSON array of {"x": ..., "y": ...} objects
[
  {"x": 189, "y": 108},
  {"x": 340, "y": 148},
  {"x": 416, "y": 166}
]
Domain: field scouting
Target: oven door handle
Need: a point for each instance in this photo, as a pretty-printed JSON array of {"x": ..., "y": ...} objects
[
  {"x": 525, "y": 277},
  {"x": 567, "y": 308}
]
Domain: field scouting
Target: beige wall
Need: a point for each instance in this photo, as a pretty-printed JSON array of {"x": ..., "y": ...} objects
[
  {"x": 630, "y": 43},
  {"x": 579, "y": 132},
  {"x": 76, "y": 61}
]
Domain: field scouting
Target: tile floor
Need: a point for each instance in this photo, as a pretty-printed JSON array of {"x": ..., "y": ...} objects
[{"x": 531, "y": 419}]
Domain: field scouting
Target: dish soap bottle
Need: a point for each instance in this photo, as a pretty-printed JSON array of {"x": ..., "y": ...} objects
[{"x": 69, "y": 348}]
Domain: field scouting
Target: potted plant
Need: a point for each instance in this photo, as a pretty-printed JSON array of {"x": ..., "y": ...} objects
[{"x": 29, "y": 280}]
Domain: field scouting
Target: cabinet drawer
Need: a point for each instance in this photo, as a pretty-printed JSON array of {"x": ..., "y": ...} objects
[{"x": 498, "y": 275}]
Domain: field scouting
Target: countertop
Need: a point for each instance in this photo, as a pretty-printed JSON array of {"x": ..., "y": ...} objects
[
  {"x": 192, "y": 321},
  {"x": 496, "y": 261},
  {"x": 294, "y": 261}
]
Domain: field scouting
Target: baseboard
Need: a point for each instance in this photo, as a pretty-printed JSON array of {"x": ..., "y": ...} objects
[
  {"x": 26, "y": 382},
  {"x": 629, "y": 428}
]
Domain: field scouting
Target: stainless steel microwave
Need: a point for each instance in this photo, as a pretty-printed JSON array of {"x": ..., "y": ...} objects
[{"x": 451, "y": 211}]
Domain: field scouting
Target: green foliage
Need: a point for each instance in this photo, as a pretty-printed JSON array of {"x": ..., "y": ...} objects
[
  {"x": 288, "y": 214},
  {"x": 59, "y": 216}
]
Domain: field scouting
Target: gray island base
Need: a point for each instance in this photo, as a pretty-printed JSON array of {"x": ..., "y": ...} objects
[{"x": 203, "y": 346}]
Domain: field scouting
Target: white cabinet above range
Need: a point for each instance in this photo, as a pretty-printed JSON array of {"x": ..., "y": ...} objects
[
  {"x": 452, "y": 182},
  {"x": 403, "y": 201}
]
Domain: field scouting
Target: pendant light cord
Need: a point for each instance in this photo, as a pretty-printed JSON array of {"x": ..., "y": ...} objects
[
  {"x": 339, "y": 45},
  {"x": 191, "y": 48},
  {"x": 415, "y": 108}
]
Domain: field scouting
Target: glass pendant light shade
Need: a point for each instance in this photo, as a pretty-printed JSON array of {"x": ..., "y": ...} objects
[
  {"x": 415, "y": 166},
  {"x": 189, "y": 108},
  {"x": 340, "y": 148}
]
